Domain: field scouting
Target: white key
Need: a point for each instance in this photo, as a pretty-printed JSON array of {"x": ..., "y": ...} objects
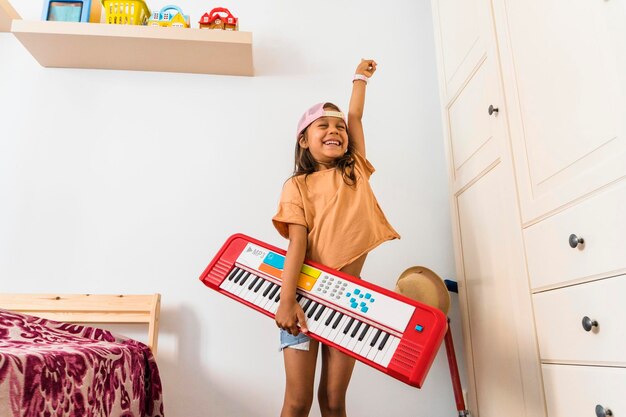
[
  {"x": 380, "y": 354},
  {"x": 346, "y": 337},
  {"x": 307, "y": 304},
  {"x": 326, "y": 330},
  {"x": 227, "y": 283},
  {"x": 322, "y": 328},
  {"x": 265, "y": 300},
  {"x": 245, "y": 294},
  {"x": 353, "y": 341},
  {"x": 252, "y": 295},
  {"x": 249, "y": 294},
  {"x": 313, "y": 309},
  {"x": 336, "y": 334},
  {"x": 303, "y": 301},
  {"x": 364, "y": 346},
  {"x": 270, "y": 300},
  {"x": 259, "y": 294},
  {"x": 273, "y": 306},
  {"x": 359, "y": 343},
  {"x": 392, "y": 349},
  {"x": 238, "y": 288},
  {"x": 318, "y": 326},
  {"x": 374, "y": 349}
]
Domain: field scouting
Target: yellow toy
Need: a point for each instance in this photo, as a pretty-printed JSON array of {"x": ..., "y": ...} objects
[{"x": 125, "y": 12}]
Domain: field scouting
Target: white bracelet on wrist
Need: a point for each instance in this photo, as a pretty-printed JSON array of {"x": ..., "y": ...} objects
[{"x": 360, "y": 77}]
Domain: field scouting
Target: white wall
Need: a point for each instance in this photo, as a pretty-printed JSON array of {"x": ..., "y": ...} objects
[{"x": 129, "y": 182}]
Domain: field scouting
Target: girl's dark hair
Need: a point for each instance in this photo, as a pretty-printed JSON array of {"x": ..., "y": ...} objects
[{"x": 305, "y": 164}]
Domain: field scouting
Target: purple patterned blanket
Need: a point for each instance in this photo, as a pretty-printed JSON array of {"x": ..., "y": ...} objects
[{"x": 54, "y": 369}]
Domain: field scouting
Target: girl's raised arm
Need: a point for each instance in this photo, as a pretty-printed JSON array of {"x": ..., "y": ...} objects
[{"x": 366, "y": 68}]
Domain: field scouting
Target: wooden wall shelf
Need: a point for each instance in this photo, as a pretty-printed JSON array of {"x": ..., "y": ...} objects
[
  {"x": 7, "y": 14},
  {"x": 142, "y": 48}
]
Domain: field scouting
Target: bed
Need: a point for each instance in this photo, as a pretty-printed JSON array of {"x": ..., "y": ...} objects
[{"x": 68, "y": 369}]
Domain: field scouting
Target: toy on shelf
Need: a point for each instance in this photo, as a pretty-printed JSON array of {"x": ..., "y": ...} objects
[
  {"x": 169, "y": 16},
  {"x": 66, "y": 11},
  {"x": 126, "y": 12},
  {"x": 219, "y": 18}
]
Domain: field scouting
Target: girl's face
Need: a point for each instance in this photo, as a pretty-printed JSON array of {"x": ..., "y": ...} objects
[{"x": 327, "y": 139}]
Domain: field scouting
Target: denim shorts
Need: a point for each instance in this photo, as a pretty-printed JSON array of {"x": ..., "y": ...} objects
[{"x": 299, "y": 342}]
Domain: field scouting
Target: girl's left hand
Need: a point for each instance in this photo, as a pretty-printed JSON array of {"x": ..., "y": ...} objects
[{"x": 366, "y": 67}]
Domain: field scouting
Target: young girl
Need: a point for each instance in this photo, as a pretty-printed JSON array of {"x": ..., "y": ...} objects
[{"x": 329, "y": 214}]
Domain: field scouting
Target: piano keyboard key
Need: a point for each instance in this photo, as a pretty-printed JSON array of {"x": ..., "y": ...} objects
[
  {"x": 318, "y": 324},
  {"x": 320, "y": 312},
  {"x": 311, "y": 311}
]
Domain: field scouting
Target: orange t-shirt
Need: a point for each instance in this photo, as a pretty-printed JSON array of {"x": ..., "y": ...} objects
[{"x": 343, "y": 222}]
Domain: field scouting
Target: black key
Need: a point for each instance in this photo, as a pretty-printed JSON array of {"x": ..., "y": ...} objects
[
  {"x": 238, "y": 277},
  {"x": 356, "y": 329},
  {"x": 259, "y": 285},
  {"x": 267, "y": 290},
  {"x": 373, "y": 342},
  {"x": 336, "y": 323},
  {"x": 330, "y": 317},
  {"x": 278, "y": 297},
  {"x": 298, "y": 297},
  {"x": 312, "y": 309},
  {"x": 233, "y": 273},
  {"x": 382, "y": 344},
  {"x": 274, "y": 291},
  {"x": 307, "y": 304},
  {"x": 345, "y": 330},
  {"x": 362, "y": 336},
  {"x": 319, "y": 313},
  {"x": 245, "y": 277},
  {"x": 256, "y": 278}
]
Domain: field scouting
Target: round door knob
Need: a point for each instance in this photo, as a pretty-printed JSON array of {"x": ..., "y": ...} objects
[
  {"x": 589, "y": 324},
  {"x": 574, "y": 240},
  {"x": 603, "y": 412},
  {"x": 493, "y": 110}
]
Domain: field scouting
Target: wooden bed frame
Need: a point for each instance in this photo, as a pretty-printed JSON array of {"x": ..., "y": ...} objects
[{"x": 90, "y": 308}]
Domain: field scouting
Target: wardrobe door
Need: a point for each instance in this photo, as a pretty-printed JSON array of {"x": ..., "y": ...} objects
[
  {"x": 470, "y": 88},
  {"x": 565, "y": 76},
  {"x": 491, "y": 266}
]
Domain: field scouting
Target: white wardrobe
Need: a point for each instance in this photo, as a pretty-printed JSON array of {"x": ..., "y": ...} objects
[{"x": 533, "y": 96}]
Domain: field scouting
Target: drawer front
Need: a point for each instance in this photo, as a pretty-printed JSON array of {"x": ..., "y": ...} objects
[
  {"x": 559, "y": 321},
  {"x": 577, "y": 390},
  {"x": 599, "y": 221}
]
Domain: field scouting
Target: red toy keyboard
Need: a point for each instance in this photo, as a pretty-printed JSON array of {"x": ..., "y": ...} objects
[{"x": 392, "y": 333}]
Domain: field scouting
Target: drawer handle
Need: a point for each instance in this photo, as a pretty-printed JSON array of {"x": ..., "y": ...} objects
[
  {"x": 493, "y": 110},
  {"x": 589, "y": 324},
  {"x": 603, "y": 412},
  {"x": 574, "y": 240}
]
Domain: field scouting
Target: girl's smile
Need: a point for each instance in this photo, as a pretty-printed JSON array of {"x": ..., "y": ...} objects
[{"x": 327, "y": 139}]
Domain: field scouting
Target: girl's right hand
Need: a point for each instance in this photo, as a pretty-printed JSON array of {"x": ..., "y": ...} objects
[
  {"x": 366, "y": 67},
  {"x": 289, "y": 316}
]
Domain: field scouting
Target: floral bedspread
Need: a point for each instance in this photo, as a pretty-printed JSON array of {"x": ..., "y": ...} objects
[{"x": 54, "y": 369}]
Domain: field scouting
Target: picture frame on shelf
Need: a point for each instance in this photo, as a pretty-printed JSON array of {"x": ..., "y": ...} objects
[{"x": 66, "y": 10}]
